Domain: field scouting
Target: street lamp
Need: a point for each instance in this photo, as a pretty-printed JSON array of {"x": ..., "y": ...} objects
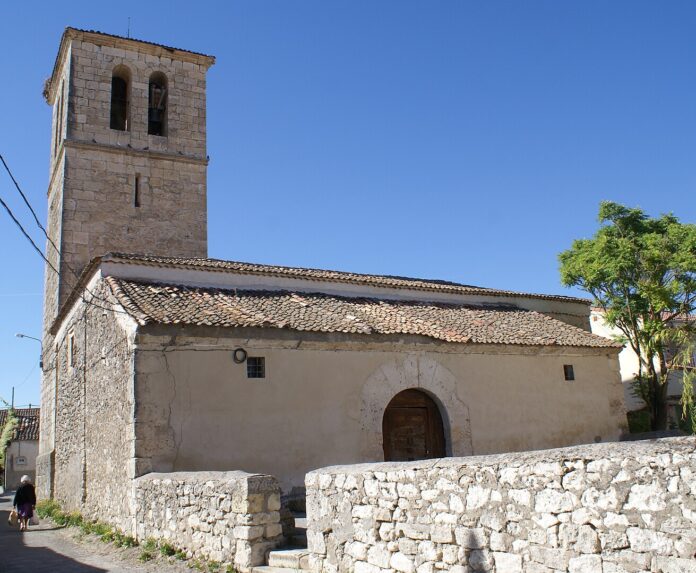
[{"x": 20, "y": 335}]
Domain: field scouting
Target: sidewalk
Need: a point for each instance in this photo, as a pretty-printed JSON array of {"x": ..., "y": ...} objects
[{"x": 49, "y": 549}]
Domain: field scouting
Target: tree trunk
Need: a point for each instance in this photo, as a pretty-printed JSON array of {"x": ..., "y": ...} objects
[
  {"x": 660, "y": 412},
  {"x": 659, "y": 397}
]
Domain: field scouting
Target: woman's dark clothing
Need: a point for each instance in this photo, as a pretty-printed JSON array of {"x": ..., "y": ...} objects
[
  {"x": 25, "y": 500},
  {"x": 25, "y": 510}
]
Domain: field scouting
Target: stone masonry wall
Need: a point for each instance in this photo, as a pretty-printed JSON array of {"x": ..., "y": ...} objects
[
  {"x": 93, "y": 59},
  {"x": 230, "y": 517},
  {"x": 99, "y": 215},
  {"x": 611, "y": 508},
  {"x": 50, "y": 310},
  {"x": 94, "y": 423}
]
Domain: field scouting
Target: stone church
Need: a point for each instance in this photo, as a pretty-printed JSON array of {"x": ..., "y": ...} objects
[{"x": 159, "y": 359}]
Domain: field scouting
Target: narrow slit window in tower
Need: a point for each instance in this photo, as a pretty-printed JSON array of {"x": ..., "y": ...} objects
[
  {"x": 136, "y": 192},
  {"x": 55, "y": 133},
  {"x": 59, "y": 122}
]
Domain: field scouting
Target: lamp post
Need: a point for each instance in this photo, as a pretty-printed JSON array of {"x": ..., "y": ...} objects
[{"x": 20, "y": 335}]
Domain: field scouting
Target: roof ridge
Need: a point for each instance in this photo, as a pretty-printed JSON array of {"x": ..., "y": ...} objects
[
  {"x": 328, "y": 275},
  {"x": 501, "y": 307}
]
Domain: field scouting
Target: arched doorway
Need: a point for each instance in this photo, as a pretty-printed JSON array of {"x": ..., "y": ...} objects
[{"x": 412, "y": 428}]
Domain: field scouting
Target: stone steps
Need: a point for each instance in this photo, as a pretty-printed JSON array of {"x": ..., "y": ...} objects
[
  {"x": 298, "y": 538},
  {"x": 289, "y": 558},
  {"x": 285, "y": 561},
  {"x": 300, "y": 520},
  {"x": 293, "y": 558}
]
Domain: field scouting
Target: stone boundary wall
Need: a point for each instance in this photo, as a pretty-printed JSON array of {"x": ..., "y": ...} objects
[
  {"x": 604, "y": 508},
  {"x": 230, "y": 517}
]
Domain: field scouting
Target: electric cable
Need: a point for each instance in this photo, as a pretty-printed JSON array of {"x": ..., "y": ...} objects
[{"x": 24, "y": 232}]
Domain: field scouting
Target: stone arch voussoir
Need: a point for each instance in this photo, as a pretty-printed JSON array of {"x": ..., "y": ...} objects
[{"x": 423, "y": 373}]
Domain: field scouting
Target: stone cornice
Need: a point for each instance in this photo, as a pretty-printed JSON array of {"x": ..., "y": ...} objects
[{"x": 109, "y": 148}]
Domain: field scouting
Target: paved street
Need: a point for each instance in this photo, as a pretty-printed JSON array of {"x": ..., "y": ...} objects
[{"x": 46, "y": 548}]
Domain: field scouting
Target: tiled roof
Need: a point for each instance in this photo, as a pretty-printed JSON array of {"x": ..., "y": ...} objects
[
  {"x": 384, "y": 281},
  {"x": 28, "y": 427},
  {"x": 319, "y": 312}
]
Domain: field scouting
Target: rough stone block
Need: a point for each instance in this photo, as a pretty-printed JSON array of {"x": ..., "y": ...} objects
[
  {"x": 585, "y": 564},
  {"x": 507, "y": 562},
  {"x": 401, "y": 562}
]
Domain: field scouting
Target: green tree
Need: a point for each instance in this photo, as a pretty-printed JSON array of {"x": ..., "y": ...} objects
[
  {"x": 641, "y": 272},
  {"x": 7, "y": 431}
]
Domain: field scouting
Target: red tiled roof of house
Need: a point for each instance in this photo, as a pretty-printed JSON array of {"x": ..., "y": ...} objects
[
  {"x": 28, "y": 427},
  {"x": 319, "y": 312}
]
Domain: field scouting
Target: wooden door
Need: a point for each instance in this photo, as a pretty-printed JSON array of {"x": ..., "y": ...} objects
[{"x": 412, "y": 428}]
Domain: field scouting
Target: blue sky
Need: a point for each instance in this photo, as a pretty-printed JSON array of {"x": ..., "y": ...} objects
[{"x": 469, "y": 141}]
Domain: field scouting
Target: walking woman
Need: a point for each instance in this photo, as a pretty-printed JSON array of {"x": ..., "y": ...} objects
[{"x": 25, "y": 502}]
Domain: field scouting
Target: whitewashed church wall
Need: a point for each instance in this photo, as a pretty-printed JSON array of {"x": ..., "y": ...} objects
[
  {"x": 322, "y": 403},
  {"x": 617, "y": 508}
]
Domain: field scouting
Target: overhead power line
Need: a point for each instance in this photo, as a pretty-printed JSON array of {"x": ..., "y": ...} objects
[
  {"x": 26, "y": 235},
  {"x": 26, "y": 202},
  {"x": 39, "y": 251}
]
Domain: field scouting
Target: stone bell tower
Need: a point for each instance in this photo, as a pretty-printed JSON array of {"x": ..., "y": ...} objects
[
  {"x": 128, "y": 154},
  {"x": 127, "y": 172}
]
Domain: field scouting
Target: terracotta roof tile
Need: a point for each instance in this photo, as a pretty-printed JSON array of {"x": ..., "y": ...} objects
[
  {"x": 319, "y": 312},
  {"x": 28, "y": 428}
]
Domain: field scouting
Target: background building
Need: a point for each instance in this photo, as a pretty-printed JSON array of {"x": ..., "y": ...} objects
[
  {"x": 629, "y": 366},
  {"x": 20, "y": 456}
]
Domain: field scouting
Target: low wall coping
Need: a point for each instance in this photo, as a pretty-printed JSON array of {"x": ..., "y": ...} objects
[
  {"x": 200, "y": 476},
  {"x": 683, "y": 444}
]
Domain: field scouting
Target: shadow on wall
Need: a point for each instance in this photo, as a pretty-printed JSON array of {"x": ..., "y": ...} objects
[{"x": 17, "y": 556}]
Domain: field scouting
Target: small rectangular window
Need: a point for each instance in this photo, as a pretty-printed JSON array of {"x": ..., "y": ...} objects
[
  {"x": 72, "y": 352},
  {"x": 256, "y": 367},
  {"x": 60, "y": 112},
  {"x": 59, "y": 123},
  {"x": 136, "y": 191},
  {"x": 568, "y": 372}
]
